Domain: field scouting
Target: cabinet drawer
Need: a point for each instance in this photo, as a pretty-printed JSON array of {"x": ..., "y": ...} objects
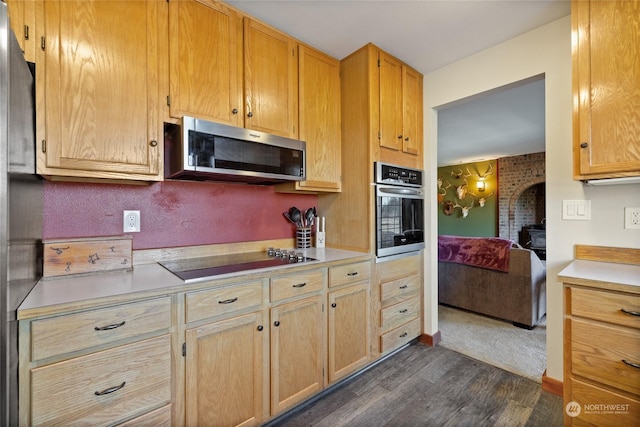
[
  {"x": 397, "y": 268},
  {"x": 606, "y": 306},
  {"x": 399, "y": 290},
  {"x": 598, "y": 351},
  {"x": 344, "y": 274},
  {"x": 400, "y": 336},
  {"x": 132, "y": 379},
  {"x": 79, "y": 331},
  {"x": 159, "y": 418},
  {"x": 297, "y": 284},
  {"x": 593, "y": 400},
  {"x": 398, "y": 314},
  {"x": 214, "y": 302}
]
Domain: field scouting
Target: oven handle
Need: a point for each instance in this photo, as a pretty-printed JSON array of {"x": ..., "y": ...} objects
[{"x": 397, "y": 191}]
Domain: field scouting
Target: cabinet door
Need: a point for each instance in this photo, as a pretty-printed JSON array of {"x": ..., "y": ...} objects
[
  {"x": 271, "y": 80},
  {"x": 224, "y": 372},
  {"x": 606, "y": 69},
  {"x": 320, "y": 119},
  {"x": 22, "y": 16},
  {"x": 296, "y": 352},
  {"x": 102, "y": 114},
  {"x": 205, "y": 61},
  {"x": 412, "y": 111},
  {"x": 391, "y": 104},
  {"x": 348, "y": 314}
]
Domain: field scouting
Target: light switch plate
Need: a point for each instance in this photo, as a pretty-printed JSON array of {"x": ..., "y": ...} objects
[{"x": 576, "y": 210}]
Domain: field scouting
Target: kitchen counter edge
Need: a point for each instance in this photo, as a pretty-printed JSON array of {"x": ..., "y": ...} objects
[
  {"x": 54, "y": 296},
  {"x": 603, "y": 275}
]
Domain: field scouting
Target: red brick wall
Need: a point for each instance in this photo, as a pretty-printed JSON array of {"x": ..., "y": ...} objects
[{"x": 521, "y": 193}]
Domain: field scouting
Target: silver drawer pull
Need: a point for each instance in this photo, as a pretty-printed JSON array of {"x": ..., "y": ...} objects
[
  {"x": 109, "y": 327},
  {"x": 300, "y": 285},
  {"x": 228, "y": 301},
  {"x": 404, "y": 310},
  {"x": 110, "y": 390},
  {"x": 355, "y": 273},
  {"x": 633, "y": 313},
  {"x": 633, "y": 365}
]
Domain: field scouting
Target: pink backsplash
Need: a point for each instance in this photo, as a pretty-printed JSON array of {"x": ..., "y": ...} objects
[{"x": 173, "y": 213}]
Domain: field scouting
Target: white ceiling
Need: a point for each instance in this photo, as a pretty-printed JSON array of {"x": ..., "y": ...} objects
[{"x": 430, "y": 34}]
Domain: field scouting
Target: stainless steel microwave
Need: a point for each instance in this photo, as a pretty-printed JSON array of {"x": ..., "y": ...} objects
[{"x": 201, "y": 150}]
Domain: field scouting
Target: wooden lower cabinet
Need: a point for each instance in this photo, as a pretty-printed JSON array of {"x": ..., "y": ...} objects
[
  {"x": 348, "y": 333},
  {"x": 397, "y": 305},
  {"x": 297, "y": 361},
  {"x": 225, "y": 375},
  {"x": 601, "y": 354}
]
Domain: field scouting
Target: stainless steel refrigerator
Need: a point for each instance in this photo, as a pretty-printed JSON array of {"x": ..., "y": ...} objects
[{"x": 21, "y": 203}]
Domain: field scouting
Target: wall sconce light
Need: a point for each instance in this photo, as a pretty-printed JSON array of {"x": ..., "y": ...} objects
[{"x": 481, "y": 185}]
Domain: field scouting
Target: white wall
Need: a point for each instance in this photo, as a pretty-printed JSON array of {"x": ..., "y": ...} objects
[{"x": 546, "y": 50}]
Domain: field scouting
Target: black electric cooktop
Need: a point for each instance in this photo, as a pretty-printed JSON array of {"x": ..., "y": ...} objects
[{"x": 204, "y": 267}]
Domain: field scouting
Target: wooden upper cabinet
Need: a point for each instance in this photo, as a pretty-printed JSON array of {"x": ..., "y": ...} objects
[
  {"x": 270, "y": 80},
  {"x": 22, "y": 16},
  {"x": 400, "y": 109},
  {"x": 98, "y": 88},
  {"x": 391, "y": 105},
  {"x": 319, "y": 121},
  {"x": 412, "y": 112},
  {"x": 606, "y": 76},
  {"x": 205, "y": 54}
]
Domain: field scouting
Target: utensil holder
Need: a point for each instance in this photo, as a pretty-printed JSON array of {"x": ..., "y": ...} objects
[{"x": 303, "y": 238}]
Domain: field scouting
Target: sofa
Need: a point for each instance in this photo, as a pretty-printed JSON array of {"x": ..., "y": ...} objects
[{"x": 514, "y": 291}]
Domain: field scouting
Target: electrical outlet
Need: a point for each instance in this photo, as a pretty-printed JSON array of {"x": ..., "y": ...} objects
[
  {"x": 632, "y": 218},
  {"x": 131, "y": 221}
]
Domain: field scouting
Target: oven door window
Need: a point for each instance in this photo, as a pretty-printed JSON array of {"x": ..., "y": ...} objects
[{"x": 400, "y": 221}]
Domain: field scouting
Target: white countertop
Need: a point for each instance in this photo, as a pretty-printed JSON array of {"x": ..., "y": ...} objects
[
  {"x": 147, "y": 280},
  {"x": 601, "y": 274}
]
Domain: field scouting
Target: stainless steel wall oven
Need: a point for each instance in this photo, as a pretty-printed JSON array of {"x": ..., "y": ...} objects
[{"x": 399, "y": 209}]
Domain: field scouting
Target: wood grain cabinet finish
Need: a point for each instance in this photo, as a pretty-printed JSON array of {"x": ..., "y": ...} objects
[
  {"x": 606, "y": 93},
  {"x": 299, "y": 284},
  {"x": 400, "y": 106},
  {"x": 22, "y": 16},
  {"x": 297, "y": 348},
  {"x": 319, "y": 119},
  {"x": 270, "y": 80},
  {"x": 205, "y": 60},
  {"x": 398, "y": 306},
  {"x": 103, "y": 387},
  {"x": 348, "y": 331},
  {"x": 349, "y": 273},
  {"x": 56, "y": 336},
  {"x": 99, "y": 89},
  {"x": 225, "y": 372},
  {"x": 220, "y": 301},
  {"x": 602, "y": 355}
]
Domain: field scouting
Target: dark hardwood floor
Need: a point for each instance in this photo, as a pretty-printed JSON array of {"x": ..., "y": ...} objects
[{"x": 431, "y": 386}]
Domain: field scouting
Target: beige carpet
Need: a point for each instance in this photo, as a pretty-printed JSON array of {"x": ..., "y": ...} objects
[{"x": 495, "y": 342}]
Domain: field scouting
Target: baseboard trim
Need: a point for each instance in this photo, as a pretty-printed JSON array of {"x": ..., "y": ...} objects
[
  {"x": 551, "y": 384},
  {"x": 430, "y": 340}
]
